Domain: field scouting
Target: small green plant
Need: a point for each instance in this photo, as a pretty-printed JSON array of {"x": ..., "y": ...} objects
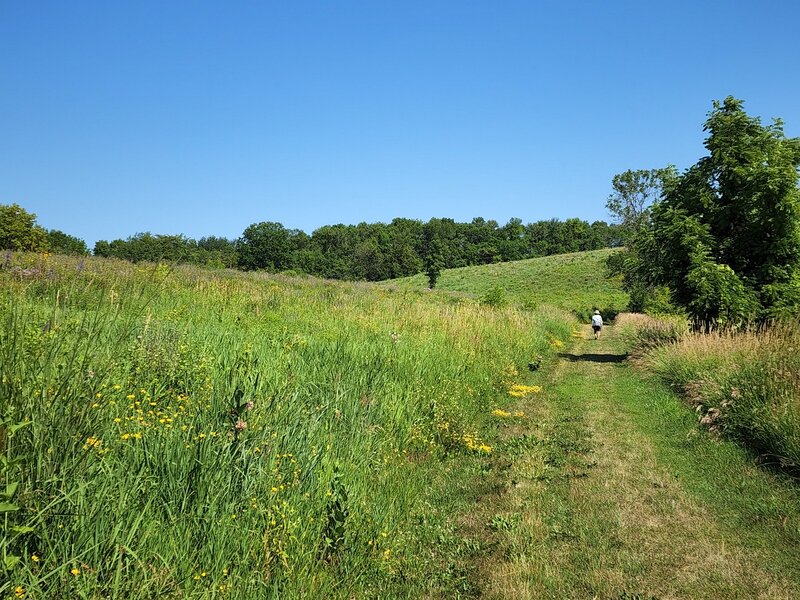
[
  {"x": 500, "y": 522},
  {"x": 10, "y": 525},
  {"x": 495, "y": 297},
  {"x": 336, "y": 513}
]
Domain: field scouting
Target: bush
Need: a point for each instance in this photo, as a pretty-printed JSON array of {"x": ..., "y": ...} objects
[{"x": 495, "y": 297}]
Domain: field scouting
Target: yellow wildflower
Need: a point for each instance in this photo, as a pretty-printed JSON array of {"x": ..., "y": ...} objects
[
  {"x": 520, "y": 391},
  {"x": 75, "y": 571},
  {"x": 93, "y": 442}
]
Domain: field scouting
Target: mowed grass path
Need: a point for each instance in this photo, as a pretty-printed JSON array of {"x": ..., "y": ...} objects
[{"x": 611, "y": 491}]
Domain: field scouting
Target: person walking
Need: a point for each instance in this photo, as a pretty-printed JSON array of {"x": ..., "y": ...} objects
[{"x": 597, "y": 324}]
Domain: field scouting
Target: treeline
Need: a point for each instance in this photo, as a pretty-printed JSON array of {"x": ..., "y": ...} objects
[
  {"x": 367, "y": 251},
  {"x": 370, "y": 251},
  {"x": 208, "y": 251},
  {"x": 19, "y": 231}
]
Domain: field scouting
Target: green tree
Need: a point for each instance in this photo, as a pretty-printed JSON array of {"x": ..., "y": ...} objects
[
  {"x": 63, "y": 243},
  {"x": 405, "y": 241},
  {"x": 725, "y": 238},
  {"x": 434, "y": 256},
  {"x": 265, "y": 245},
  {"x": 634, "y": 192},
  {"x": 217, "y": 252},
  {"x": 19, "y": 231}
]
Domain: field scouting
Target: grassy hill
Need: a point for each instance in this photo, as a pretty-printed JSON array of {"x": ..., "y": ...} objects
[{"x": 576, "y": 282}]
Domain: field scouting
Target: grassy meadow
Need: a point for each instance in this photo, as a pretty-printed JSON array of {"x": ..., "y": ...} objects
[
  {"x": 187, "y": 433},
  {"x": 576, "y": 282}
]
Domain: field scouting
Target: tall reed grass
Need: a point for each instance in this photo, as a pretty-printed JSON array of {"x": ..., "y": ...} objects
[
  {"x": 744, "y": 384},
  {"x": 198, "y": 434}
]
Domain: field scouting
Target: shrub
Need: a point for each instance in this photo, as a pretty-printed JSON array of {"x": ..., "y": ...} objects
[{"x": 495, "y": 297}]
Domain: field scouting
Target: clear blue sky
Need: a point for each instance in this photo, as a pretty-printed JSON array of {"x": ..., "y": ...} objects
[{"x": 204, "y": 117}]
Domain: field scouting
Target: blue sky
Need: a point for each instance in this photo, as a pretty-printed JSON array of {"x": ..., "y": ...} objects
[{"x": 204, "y": 117}]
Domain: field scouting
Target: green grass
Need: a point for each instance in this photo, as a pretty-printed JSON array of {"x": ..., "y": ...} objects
[
  {"x": 203, "y": 434},
  {"x": 744, "y": 385},
  {"x": 576, "y": 282},
  {"x": 621, "y": 495}
]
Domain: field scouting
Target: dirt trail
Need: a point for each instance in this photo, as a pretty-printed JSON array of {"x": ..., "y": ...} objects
[{"x": 592, "y": 510}]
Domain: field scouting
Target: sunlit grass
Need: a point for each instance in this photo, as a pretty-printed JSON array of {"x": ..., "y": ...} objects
[
  {"x": 577, "y": 282},
  {"x": 191, "y": 433},
  {"x": 744, "y": 384}
]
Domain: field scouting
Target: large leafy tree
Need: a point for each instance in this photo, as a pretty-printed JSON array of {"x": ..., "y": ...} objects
[
  {"x": 725, "y": 238},
  {"x": 19, "y": 231},
  {"x": 266, "y": 245}
]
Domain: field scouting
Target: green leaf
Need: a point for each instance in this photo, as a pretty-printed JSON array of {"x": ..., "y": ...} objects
[
  {"x": 11, "y": 488},
  {"x": 17, "y": 426},
  {"x": 8, "y": 507},
  {"x": 22, "y": 529},
  {"x": 11, "y": 562}
]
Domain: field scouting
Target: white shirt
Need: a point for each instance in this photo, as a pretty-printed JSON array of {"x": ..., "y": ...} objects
[{"x": 597, "y": 320}]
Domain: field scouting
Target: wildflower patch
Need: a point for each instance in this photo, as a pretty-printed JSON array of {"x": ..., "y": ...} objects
[
  {"x": 522, "y": 391},
  {"x": 504, "y": 414}
]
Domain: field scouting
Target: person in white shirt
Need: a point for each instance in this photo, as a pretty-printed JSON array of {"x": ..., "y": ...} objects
[{"x": 597, "y": 324}]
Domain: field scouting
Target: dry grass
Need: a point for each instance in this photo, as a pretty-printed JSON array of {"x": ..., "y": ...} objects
[{"x": 744, "y": 384}]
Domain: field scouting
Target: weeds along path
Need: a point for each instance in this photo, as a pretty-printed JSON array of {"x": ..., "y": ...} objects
[{"x": 612, "y": 492}]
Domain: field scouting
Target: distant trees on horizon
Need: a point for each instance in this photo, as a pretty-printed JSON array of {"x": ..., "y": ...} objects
[
  {"x": 19, "y": 231},
  {"x": 367, "y": 251},
  {"x": 370, "y": 251}
]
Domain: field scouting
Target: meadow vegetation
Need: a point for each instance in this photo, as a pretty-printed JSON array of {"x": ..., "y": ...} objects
[
  {"x": 577, "y": 282},
  {"x": 744, "y": 384},
  {"x": 186, "y": 433}
]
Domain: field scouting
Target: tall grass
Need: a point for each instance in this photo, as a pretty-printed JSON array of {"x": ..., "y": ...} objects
[
  {"x": 644, "y": 332},
  {"x": 199, "y": 434},
  {"x": 745, "y": 385}
]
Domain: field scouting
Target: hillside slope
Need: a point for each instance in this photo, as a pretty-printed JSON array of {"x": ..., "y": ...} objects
[{"x": 577, "y": 282}]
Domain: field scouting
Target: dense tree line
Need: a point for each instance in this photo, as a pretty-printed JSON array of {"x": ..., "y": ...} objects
[
  {"x": 370, "y": 251},
  {"x": 723, "y": 239},
  {"x": 367, "y": 251},
  {"x": 208, "y": 251}
]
